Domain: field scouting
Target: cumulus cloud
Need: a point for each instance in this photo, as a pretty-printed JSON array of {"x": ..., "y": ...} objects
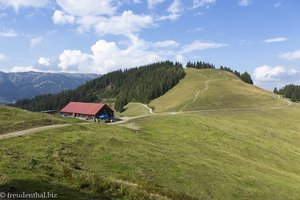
[
  {"x": 271, "y": 76},
  {"x": 175, "y": 9},
  {"x": 17, "y": 4},
  {"x": 35, "y": 41},
  {"x": 74, "y": 60},
  {"x": 100, "y": 16},
  {"x": 153, "y": 3},
  {"x": 87, "y": 7},
  {"x": 277, "y": 39},
  {"x": 44, "y": 61},
  {"x": 268, "y": 73},
  {"x": 107, "y": 56},
  {"x": 293, "y": 55},
  {"x": 203, "y": 3},
  {"x": 8, "y": 33},
  {"x": 125, "y": 24},
  {"x": 3, "y": 57},
  {"x": 59, "y": 17},
  {"x": 199, "y": 45},
  {"x": 244, "y": 2}
]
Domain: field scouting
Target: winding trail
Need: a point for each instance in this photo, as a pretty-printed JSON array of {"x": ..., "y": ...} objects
[
  {"x": 125, "y": 119},
  {"x": 150, "y": 109},
  {"x": 30, "y": 131},
  {"x": 196, "y": 96},
  {"x": 199, "y": 92}
]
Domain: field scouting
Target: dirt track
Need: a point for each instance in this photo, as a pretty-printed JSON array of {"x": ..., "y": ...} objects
[
  {"x": 125, "y": 119},
  {"x": 32, "y": 130}
]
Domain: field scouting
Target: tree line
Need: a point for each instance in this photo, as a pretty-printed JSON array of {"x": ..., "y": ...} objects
[
  {"x": 289, "y": 91},
  {"x": 120, "y": 87},
  {"x": 204, "y": 65},
  {"x": 117, "y": 88}
]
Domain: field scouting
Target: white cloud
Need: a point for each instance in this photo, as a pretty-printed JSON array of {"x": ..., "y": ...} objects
[
  {"x": 203, "y": 3},
  {"x": 244, "y": 2},
  {"x": 269, "y": 76},
  {"x": 277, "y": 39},
  {"x": 175, "y": 9},
  {"x": 17, "y": 4},
  {"x": 268, "y": 73},
  {"x": 293, "y": 55},
  {"x": 166, "y": 44},
  {"x": 180, "y": 58},
  {"x": 8, "y": 33},
  {"x": 125, "y": 24},
  {"x": 153, "y": 3},
  {"x": 100, "y": 16},
  {"x": 3, "y": 57},
  {"x": 35, "y": 41},
  {"x": 44, "y": 61},
  {"x": 108, "y": 56},
  {"x": 74, "y": 60},
  {"x": 59, "y": 17},
  {"x": 199, "y": 45},
  {"x": 87, "y": 7},
  {"x": 23, "y": 69}
]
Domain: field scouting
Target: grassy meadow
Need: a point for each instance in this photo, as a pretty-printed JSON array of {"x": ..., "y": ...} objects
[
  {"x": 213, "y": 89},
  {"x": 15, "y": 119},
  {"x": 212, "y": 154},
  {"x": 133, "y": 109},
  {"x": 215, "y": 155}
]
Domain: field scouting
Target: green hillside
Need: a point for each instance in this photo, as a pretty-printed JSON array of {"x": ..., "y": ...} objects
[
  {"x": 133, "y": 109},
  {"x": 118, "y": 88},
  {"x": 247, "y": 148},
  {"x": 224, "y": 155},
  {"x": 214, "y": 89},
  {"x": 14, "y": 119}
]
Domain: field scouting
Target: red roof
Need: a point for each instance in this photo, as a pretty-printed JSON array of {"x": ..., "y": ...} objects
[{"x": 83, "y": 108}]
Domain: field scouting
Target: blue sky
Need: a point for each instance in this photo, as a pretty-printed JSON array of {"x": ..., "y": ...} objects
[{"x": 258, "y": 36}]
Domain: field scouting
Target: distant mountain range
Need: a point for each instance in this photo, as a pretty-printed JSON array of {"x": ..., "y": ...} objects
[{"x": 15, "y": 86}]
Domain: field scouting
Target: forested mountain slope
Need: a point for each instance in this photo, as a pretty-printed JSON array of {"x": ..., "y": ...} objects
[{"x": 119, "y": 88}]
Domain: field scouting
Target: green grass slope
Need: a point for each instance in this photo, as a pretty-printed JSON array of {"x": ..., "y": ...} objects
[
  {"x": 214, "y": 89},
  {"x": 14, "y": 119},
  {"x": 224, "y": 155},
  {"x": 133, "y": 109}
]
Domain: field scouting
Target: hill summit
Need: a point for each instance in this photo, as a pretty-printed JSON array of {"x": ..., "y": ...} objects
[{"x": 209, "y": 89}]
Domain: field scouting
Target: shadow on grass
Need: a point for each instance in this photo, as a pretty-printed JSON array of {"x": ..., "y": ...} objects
[{"x": 33, "y": 186}]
